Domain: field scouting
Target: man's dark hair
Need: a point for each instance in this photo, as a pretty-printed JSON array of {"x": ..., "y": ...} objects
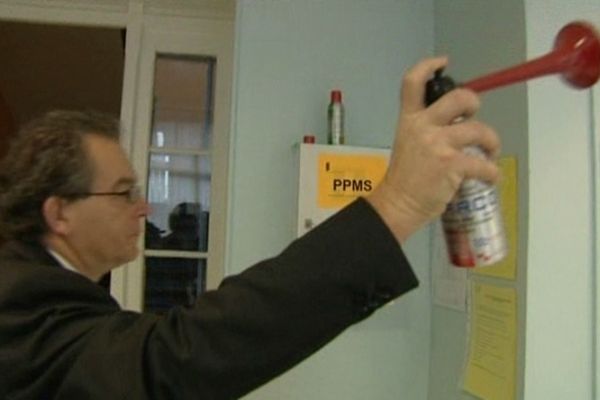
[{"x": 47, "y": 158}]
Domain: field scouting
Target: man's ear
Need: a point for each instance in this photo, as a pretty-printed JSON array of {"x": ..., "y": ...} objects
[{"x": 53, "y": 211}]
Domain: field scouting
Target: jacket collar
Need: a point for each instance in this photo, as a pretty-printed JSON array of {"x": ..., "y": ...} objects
[{"x": 28, "y": 251}]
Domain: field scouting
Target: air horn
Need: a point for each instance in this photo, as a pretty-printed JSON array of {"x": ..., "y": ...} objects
[
  {"x": 576, "y": 55},
  {"x": 472, "y": 222}
]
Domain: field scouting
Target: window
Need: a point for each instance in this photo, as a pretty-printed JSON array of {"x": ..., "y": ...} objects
[
  {"x": 179, "y": 181},
  {"x": 179, "y": 145}
]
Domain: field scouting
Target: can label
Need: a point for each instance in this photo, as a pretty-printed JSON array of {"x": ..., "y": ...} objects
[{"x": 473, "y": 226}]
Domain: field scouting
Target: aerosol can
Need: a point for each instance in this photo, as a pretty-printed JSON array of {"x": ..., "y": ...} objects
[{"x": 472, "y": 223}]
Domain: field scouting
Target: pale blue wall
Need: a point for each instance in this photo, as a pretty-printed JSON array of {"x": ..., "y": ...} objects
[
  {"x": 560, "y": 294},
  {"x": 289, "y": 54}
]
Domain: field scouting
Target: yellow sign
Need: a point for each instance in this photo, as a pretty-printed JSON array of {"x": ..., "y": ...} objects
[{"x": 344, "y": 177}]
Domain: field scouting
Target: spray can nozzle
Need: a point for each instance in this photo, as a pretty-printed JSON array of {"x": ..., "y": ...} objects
[{"x": 438, "y": 86}]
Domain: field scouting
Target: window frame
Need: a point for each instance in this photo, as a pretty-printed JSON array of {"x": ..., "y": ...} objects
[{"x": 182, "y": 36}]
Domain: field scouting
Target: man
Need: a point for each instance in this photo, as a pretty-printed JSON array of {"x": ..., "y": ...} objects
[{"x": 70, "y": 211}]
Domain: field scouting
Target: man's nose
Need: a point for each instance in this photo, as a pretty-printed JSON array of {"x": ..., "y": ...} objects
[{"x": 144, "y": 208}]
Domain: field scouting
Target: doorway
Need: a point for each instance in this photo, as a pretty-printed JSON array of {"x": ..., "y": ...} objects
[{"x": 51, "y": 66}]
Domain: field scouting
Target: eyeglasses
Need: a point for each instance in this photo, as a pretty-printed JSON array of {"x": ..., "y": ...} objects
[{"x": 132, "y": 195}]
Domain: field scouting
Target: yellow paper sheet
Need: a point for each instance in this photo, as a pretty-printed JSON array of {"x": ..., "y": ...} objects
[
  {"x": 344, "y": 177},
  {"x": 507, "y": 188},
  {"x": 491, "y": 364}
]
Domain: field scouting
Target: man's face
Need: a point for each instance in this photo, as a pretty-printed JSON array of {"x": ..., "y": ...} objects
[{"x": 105, "y": 229}]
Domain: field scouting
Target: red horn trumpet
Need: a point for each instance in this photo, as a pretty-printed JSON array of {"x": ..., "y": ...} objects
[{"x": 576, "y": 56}]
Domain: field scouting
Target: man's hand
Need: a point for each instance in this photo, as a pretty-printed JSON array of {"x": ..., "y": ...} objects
[{"x": 427, "y": 163}]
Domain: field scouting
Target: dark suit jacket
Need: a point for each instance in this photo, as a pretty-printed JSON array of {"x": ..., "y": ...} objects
[{"x": 63, "y": 337}]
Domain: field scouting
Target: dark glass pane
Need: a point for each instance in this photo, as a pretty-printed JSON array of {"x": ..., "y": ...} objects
[
  {"x": 179, "y": 195},
  {"x": 173, "y": 281}
]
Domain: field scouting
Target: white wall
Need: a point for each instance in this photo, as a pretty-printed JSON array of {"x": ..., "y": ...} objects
[
  {"x": 290, "y": 54},
  {"x": 560, "y": 292}
]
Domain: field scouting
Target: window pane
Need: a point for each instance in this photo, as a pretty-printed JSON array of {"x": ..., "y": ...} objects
[
  {"x": 183, "y": 102},
  {"x": 179, "y": 179},
  {"x": 173, "y": 281},
  {"x": 179, "y": 196}
]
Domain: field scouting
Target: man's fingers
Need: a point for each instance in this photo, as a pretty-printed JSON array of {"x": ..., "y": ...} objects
[
  {"x": 413, "y": 84},
  {"x": 474, "y": 133},
  {"x": 478, "y": 168},
  {"x": 454, "y": 104}
]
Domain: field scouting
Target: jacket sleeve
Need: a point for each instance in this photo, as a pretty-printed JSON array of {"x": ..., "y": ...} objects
[{"x": 265, "y": 320}]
